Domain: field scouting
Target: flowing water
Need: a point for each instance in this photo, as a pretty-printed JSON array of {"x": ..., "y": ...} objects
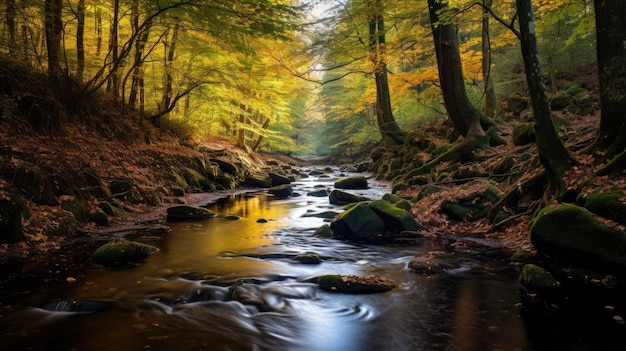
[{"x": 181, "y": 297}]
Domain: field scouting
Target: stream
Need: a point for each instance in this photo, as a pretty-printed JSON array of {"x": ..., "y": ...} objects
[{"x": 179, "y": 299}]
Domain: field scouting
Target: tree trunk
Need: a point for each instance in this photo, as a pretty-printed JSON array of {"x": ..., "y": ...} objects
[
  {"x": 53, "y": 29},
  {"x": 490, "y": 91},
  {"x": 80, "y": 43},
  {"x": 611, "y": 51},
  {"x": 387, "y": 125},
  {"x": 98, "y": 15},
  {"x": 171, "y": 51},
  {"x": 10, "y": 17},
  {"x": 114, "y": 84},
  {"x": 465, "y": 117},
  {"x": 266, "y": 124},
  {"x": 140, "y": 44},
  {"x": 552, "y": 153}
]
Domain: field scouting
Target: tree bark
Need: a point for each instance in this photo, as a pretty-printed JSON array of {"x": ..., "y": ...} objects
[
  {"x": 80, "y": 40},
  {"x": 465, "y": 117},
  {"x": 490, "y": 91},
  {"x": 114, "y": 83},
  {"x": 611, "y": 51},
  {"x": 387, "y": 125},
  {"x": 169, "y": 62},
  {"x": 53, "y": 29},
  {"x": 12, "y": 31},
  {"x": 552, "y": 153}
]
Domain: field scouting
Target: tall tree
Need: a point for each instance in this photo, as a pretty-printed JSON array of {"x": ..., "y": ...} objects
[
  {"x": 466, "y": 118},
  {"x": 552, "y": 153},
  {"x": 389, "y": 129},
  {"x": 611, "y": 51},
  {"x": 53, "y": 28},
  {"x": 10, "y": 17},
  {"x": 489, "y": 88},
  {"x": 80, "y": 40}
]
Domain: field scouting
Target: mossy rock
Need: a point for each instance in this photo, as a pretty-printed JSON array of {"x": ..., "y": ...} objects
[
  {"x": 523, "y": 134},
  {"x": 607, "y": 205},
  {"x": 400, "y": 186},
  {"x": 358, "y": 222},
  {"x": 122, "y": 254},
  {"x": 258, "y": 180},
  {"x": 473, "y": 206},
  {"x": 64, "y": 224},
  {"x": 323, "y": 232},
  {"x": 570, "y": 234},
  {"x": 308, "y": 258},
  {"x": 188, "y": 213},
  {"x": 523, "y": 256},
  {"x": 536, "y": 279},
  {"x": 338, "y": 197},
  {"x": 432, "y": 263},
  {"x": 77, "y": 208},
  {"x": 398, "y": 201},
  {"x": 355, "y": 284},
  {"x": 318, "y": 193},
  {"x": 396, "y": 219},
  {"x": 427, "y": 190},
  {"x": 357, "y": 182},
  {"x": 559, "y": 101},
  {"x": 282, "y": 191}
]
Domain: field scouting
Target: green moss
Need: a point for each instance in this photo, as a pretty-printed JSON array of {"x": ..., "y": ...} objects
[
  {"x": 396, "y": 219},
  {"x": 607, "y": 205},
  {"x": 180, "y": 181},
  {"x": 123, "y": 253},
  {"x": 62, "y": 224},
  {"x": 427, "y": 190},
  {"x": 571, "y": 234},
  {"x": 323, "y": 232},
  {"x": 77, "y": 208},
  {"x": 355, "y": 284},
  {"x": 534, "y": 277}
]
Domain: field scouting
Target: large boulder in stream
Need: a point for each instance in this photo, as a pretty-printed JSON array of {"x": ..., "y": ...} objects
[
  {"x": 357, "y": 182},
  {"x": 281, "y": 191},
  {"x": 396, "y": 219},
  {"x": 358, "y": 222},
  {"x": 184, "y": 213},
  {"x": 122, "y": 253},
  {"x": 571, "y": 235}
]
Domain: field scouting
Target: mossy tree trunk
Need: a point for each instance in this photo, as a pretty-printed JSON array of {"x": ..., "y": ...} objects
[
  {"x": 470, "y": 122},
  {"x": 387, "y": 125},
  {"x": 552, "y": 153},
  {"x": 611, "y": 50}
]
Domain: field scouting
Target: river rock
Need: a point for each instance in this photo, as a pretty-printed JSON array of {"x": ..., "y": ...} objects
[
  {"x": 338, "y": 197},
  {"x": 398, "y": 201},
  {"x": 188, "y": 213},
  {"x": 278, "y": 179},
  {"x": 283, "y": 191},
  {"x": 122, "y": 253},
  {"x": 358, "y": 222},
  {"x": 357, "y": 182},
  {"x": 396, "y": 219},
  {"x": 355, "y": 284},
  {"x": 318, "y": 193},
  {"x": 323, "y": 232},
  {"x": 536, "y": 279},
  {"x": 258, "y": 180},
  {"x": 308, "y": 258},
  {"x": 431, "y": 263},
  {"x": 570, "y": 234}
]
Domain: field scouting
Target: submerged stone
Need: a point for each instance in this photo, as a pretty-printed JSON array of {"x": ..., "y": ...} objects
[
  {"x": 308, "y": 258},
  {"x": 355, "y": 284},
  {"x": 122, "y": 253},
  {"x": 188, "y": 213}
]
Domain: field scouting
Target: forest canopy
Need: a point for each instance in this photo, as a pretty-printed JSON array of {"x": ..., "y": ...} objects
[{"x": 284, "y": 75}]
